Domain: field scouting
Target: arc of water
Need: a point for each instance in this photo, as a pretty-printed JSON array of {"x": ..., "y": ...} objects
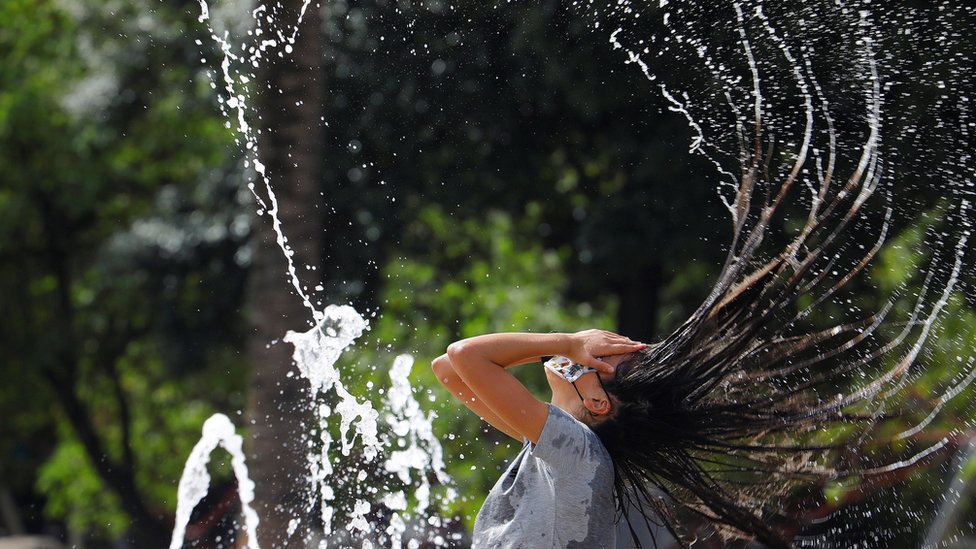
[
  {"x": 217, "y": 431},
  {"x": 333, "y": 329},
  {"x": 909, "y": 358},
  {"x": 316, "y": 352},
  {"x": 699, "y": 141},
  {"x": 756, "y": 86},
  {"x": 807, "y": 109},
  {"x": 952, "y": 393}
]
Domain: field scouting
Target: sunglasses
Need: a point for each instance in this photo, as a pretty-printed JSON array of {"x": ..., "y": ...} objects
[
  {"x": 566, "y": 368},
  {"x": 571, "y": 371}
]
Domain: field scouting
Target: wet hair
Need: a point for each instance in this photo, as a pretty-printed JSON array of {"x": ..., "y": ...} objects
[
  {"x": 726, "y": 416},
  {"x": 668, "y": 448},
  {"x": 787, "y": 369},
  {"x": 689, "y": 426}
]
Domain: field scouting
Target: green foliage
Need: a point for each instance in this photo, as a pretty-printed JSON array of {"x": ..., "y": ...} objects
[
  {"x": 76, "y": 494},
  {"x": 900, "y": 269},
  {"x": 902, "y": 257},
  {"x": 106, "y": 145},
  {"x": 476, "y": 276},
  {"x": 167, "y": 416},
  {"x": 969, "y": 470},
  {"x": 116, "y": 178},
  {"x": 937, "y": 381},
  {"x": 531, "y": 106}
]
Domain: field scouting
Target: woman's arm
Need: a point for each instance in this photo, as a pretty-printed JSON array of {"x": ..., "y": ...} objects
[
  {"x": 485, "y": 386},
  {"x": 451, "y": 381}
]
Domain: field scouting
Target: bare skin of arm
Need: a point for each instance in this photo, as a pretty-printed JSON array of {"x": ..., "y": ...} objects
[
  {"x": 475, "y": 370},
  {"x": 452, "y": 382}
]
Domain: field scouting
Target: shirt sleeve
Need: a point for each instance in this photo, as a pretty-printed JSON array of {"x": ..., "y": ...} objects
[{"x": 564, "y": 442}]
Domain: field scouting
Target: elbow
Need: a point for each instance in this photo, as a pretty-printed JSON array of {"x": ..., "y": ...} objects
[
  {"x": 458, "y": 356},
  {"x": 445, "y": 371},
  {"x": 441, "y": 367},
  {"x": 457, "y": 350}
]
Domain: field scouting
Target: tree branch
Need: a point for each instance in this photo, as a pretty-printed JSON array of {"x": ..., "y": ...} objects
[{"x": 62, "y": 376}]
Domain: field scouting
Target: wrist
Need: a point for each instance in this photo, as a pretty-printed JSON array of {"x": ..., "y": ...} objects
[{"x": 563, "y": 344}]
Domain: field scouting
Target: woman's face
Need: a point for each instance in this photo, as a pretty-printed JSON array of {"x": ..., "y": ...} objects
[{"x": 591, "y": 400}]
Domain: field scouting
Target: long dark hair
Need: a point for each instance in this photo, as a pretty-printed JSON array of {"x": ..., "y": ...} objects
[
  {"x": 721, "y": 417},
  {"x": 715, "y": 416},
  {"x": 739, "y": 407}
]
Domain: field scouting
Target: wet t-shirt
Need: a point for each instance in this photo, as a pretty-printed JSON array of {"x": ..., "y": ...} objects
[{"x": 557, "y": 493}]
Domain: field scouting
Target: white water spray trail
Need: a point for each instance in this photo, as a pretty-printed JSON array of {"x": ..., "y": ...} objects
[
  {"x": 804, "y": 91},
  {"x": 195, "y": 482},
  {"x": 754, "y": 71},
  {"x": 238, "y": 95},
  {"x": 954, "y": 503},
  {"x": 421, "y": 451},
  {"x": 677, "y": 106},
  {"x": 316, "y": 351}
]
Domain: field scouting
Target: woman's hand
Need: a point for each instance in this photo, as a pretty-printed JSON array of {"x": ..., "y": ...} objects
[{"x": 588, "y": 345}]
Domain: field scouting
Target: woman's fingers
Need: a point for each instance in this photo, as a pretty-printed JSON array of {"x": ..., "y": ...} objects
[
  {"x": 607, "y": 337},
  {"x": 595, "y": 360},
  {"x": 602, "y": 343},
  {"x": 617, "y": 338},
  {"x": 620, "y": 348},
  {"x": 596, "y": 363}
]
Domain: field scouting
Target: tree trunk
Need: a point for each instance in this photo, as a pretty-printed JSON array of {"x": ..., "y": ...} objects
[{"x": 290, "y": 146}]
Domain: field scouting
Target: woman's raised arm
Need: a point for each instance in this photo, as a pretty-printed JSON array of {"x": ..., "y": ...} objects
[
  {"x": 485, "y": 386},
  {"x": 451, "y": 381}
]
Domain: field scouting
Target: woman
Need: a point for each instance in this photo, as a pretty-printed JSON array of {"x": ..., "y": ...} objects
[{"x": 558, "y": 492}]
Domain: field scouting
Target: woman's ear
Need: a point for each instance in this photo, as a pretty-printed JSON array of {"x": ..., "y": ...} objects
[{"x": 598, "y": 406}]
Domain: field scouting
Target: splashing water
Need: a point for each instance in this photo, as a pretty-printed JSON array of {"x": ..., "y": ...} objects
[
  {"x": 786, "y": 96},
  {"x": 217, "y": 431},
  {"x": 800, "y": 104},
  {"x": 316, "y": 352}
]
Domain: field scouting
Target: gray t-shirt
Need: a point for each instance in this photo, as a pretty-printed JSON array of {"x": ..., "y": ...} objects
[{"x": 557, "y": 493}]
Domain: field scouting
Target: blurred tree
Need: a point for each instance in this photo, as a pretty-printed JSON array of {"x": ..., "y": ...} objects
[
  {"x": 485, "y": 166},
  {"x": 110, "y": 261},
  {"x": 473, "y": 104},
  {"x": 290, "y": 92}
]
